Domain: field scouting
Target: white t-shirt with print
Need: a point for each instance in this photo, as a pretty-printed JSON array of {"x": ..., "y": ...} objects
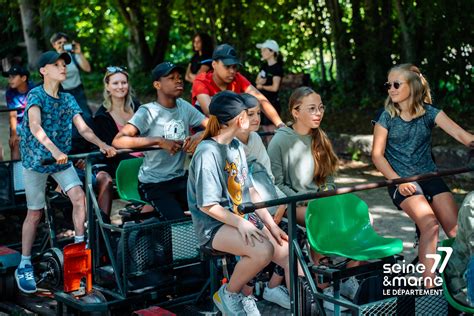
[{"x": 152, "y": 120}]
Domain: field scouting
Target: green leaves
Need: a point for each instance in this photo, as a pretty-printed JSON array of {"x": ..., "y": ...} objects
[{"x": 346, "y": 46}]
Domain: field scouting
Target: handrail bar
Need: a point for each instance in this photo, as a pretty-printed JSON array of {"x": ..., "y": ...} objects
[{"x": 249, "y": 207}]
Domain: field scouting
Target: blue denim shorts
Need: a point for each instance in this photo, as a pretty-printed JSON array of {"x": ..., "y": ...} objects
[{"x": 35, "y": 185}]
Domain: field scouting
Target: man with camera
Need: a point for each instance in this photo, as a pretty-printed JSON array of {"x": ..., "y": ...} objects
[{"x": 73, "y": 84}]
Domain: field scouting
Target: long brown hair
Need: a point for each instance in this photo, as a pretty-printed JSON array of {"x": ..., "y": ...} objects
[
  {"x": 325, "y": 160},
  {"x": 417, "y": 93}
]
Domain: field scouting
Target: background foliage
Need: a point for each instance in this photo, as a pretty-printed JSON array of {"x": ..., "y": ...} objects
[{"x": 346, "y": 46}]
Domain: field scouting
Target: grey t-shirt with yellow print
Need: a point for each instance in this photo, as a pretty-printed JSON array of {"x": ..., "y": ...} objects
[{"x": 218, "y": 174}]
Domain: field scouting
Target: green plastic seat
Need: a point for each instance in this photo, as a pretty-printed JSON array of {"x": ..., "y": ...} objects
[
  {"x": 447, "y": 294},
  {"x": 339, "y": 226},
  {"x": 126, "y": 180}
]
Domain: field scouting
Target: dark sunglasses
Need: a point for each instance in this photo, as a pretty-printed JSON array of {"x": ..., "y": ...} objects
[
  {"x": 396, "y": 85},
  {"x": 115, "y": 69}
]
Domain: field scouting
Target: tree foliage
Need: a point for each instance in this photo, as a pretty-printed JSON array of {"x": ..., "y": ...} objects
[{"x": 346, "y": 46}]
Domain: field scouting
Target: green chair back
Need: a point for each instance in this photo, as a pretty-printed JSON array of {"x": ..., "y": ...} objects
[
  {"x": 447, "y": 295},
  {"x": 339, "y": 225},
  {"x": 126, "y": 179}
]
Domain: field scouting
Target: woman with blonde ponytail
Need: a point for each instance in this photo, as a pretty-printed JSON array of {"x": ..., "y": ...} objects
[
  {"x": 402, "y": 148},
  {"x": 218, "y": 183}
]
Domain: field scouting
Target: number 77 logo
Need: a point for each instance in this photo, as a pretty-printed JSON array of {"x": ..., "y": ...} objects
[{"x": 437, "y": 258}]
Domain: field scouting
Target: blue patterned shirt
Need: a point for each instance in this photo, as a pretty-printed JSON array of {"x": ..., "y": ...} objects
[{"x": 56, "y": 121}]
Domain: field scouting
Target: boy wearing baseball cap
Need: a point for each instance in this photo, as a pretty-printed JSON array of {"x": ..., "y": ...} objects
[
  {"x": 18, "y": 88},
  {"x": 46, "y": 133},
  {"x": 164, "y": 123},
  {"x": 225, "y": 76}
]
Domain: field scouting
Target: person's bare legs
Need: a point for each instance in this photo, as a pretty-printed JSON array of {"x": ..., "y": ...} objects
[
  {"x": 281, "y": 256},
  {"x": 420, "y": 211},
  {"x": 104, "y": 191},
  {"x": 252, "y": 261},
  {"x": 446, "y": 211},
  {"x": 28, "y": 233},
  {"x": 301, "y": 220},
  {"x": 78, "y": 200},
  {"x": 275, "y": 280}
]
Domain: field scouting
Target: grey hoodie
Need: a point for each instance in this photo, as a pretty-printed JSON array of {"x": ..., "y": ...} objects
[{"x": 292, "y": 163}]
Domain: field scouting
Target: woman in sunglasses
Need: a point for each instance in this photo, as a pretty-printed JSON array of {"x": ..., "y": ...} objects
[
  {"x": 402, "y": 148},
  {"x": 118, "y": 107}
]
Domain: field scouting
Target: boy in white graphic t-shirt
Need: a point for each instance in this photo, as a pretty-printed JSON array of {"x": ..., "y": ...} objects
[{"x": 164, "y": 123}]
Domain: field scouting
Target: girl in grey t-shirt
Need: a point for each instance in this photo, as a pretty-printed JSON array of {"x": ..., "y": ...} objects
[
  {"x": 218, "y": 182},
  {"x": 402, "y": 148}
]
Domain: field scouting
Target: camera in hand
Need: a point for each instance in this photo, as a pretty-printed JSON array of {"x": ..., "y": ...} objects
[{"x": 69, "y": 47}]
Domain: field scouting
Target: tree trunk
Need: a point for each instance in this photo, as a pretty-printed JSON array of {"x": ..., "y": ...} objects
[
  {"x": 162, "y": 37},
  {"x": 358, "y": 30},
  {"x": 408, "y": 47},
  {"x": 140, "y": 53},
  {"x": 28, "y": 12},
  {"x": 341, "y": 44},
  {"x": 320, "y": 43}
]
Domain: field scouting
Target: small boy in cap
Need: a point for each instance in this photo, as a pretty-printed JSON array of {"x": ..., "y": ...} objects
[
  {"x": 164, "y": 123},
  {"x": 225, "y": 76},
  {"x": 46, "y": 133},
  {"x": 18, "y": 88}
]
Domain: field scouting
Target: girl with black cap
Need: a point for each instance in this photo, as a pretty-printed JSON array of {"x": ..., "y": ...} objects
[{"x": 218, "y": 183}]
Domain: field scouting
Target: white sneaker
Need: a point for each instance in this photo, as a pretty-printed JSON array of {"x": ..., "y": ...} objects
[
  {"x": 278, "y": 295},
  {"x": 228, "y": 303},
  {"x": 250, "y": 305},
  {"x": 349, "y": 288},
  {"x": 329, "y": 291}
]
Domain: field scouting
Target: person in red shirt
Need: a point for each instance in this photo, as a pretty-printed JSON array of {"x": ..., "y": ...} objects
[{"x": 225, "y": 76}]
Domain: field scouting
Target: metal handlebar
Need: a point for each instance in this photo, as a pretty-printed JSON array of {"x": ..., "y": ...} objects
[
  {"x": 249, "y": 207},
  {"x": 97, "y": 154}
]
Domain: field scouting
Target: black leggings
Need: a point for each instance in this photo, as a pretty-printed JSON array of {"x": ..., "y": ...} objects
[{"x": 169, "y": 198}]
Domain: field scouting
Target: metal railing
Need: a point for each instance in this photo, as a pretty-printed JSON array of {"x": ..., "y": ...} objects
[{"x": 296, "y": 254}]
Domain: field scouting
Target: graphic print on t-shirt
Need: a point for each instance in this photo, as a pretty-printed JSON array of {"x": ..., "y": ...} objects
[
  {"x": 235, "y": 183},
  {"x": 174, "y": 129}
]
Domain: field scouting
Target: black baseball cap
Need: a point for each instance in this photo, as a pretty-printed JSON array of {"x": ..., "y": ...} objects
[
  {"x": 250, "y": 100},
  {"x": 226, "y": 54},
  {"x": 16, "y": 70},
  {"x": 50, "y": 57},
  {"x": 227, "y": 104},
  {"x": 164, "y": 69}
]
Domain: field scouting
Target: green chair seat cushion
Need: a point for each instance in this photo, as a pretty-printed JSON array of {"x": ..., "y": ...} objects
[
  {"x": 339, "y": 225},
  {"x": 126, "y": 180}
]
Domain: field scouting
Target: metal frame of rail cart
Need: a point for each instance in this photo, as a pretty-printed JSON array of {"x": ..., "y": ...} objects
[
  {"x": 307, "y": 300},
  {"x": 165, "y": 252}
]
